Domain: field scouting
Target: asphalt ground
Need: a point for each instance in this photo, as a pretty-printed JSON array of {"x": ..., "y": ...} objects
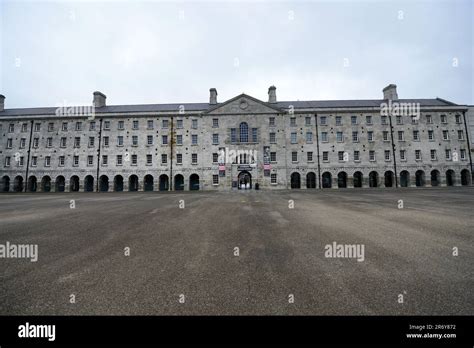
[{"x": 191, "y": 251}]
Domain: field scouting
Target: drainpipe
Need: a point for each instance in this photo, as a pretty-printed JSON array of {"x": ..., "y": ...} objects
[
  {"x": 468, "y": 143},
  {"x": 98, "y": 156},
  {"x": 393, "y": 149},
  {"x": 317, "y": 147},
  {"x": 28, "y": 159}
]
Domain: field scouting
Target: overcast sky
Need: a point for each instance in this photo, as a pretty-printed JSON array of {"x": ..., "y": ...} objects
[{"x": 145, "y": 52}]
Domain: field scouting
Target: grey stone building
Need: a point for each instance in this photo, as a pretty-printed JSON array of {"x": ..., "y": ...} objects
[{"x": 242, "y": 143}]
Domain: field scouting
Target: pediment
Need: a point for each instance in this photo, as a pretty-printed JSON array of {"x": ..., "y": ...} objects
[{"x": 244, "y": 104}]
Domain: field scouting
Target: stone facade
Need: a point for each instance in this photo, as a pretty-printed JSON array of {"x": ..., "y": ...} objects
[{"x": 279, "y": 145}]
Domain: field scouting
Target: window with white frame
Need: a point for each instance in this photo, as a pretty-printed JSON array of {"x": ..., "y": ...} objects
[
  {"x": 194, "y": 158},
  {"x": 272, "y": 138},
  {"x": 325, "y": 156},
  {"x": 78, "y": 126},
  {"x": 135, "y": 124},
  {"x": 106, "y": 141},
  {"x": 215, "y": 123},
  {"x": 179, "y": 139},
  {"x": 215, "y": 139},
  {"x": 273, "y": 178},
  {"x": 445, "y": 135},
  {"x": 355, "y": 137},
  {"x": 309, "y": 137},
  {"x": 433, "y": 155},
  {"x": 294, "y": 156},
  {"x": 403, "y": 155},
  {"x": 309, "y": 156},
  {"x": 105, "y": 160},
  {"x": 75, "y": 161},
  {"x": 324, "y": 137},
  {"x": 356, "y": 155},
  {"x": 370, "y": 136},
  {"x": 149, "y": 159},
  {"x": 215, "y": 179},
  {"x": 430, "y": 135},
  {"x": 371, "y": 155},
  {"x": 179, "y": 158},
  {"x": 387, "y": 155},
  {"x": 134, "y": 140},
  {"x": 339, "y": 137},
  {"x": 418, "y": 155},
  {"x": 90, "y": 160},
  {"x": 293, "y": 137}
]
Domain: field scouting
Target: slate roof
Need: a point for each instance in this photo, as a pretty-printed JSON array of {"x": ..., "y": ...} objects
[{"x": 205, "y": 106}]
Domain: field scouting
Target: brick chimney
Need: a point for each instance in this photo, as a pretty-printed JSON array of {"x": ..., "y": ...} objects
[
  {"x": 272, "y": 97},
  {"x": 213, "y": 96},
  {"x": 390, "y": 92},
  {"x": 2, "y": 102},
  {"x": 99, "y": 99}
]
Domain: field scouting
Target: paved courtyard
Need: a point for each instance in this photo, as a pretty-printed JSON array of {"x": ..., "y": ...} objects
[{"x": 191, "y": 251}]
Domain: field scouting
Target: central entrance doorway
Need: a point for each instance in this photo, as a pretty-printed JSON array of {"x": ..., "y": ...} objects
[{"x": 244, "y": 180}]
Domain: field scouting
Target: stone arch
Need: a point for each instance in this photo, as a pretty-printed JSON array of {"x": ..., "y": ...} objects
[
  {"x": 148, "y": 182},
  {"x": 435, "y": 175},
  {"x": 450, "y": 177},
  {"x": 342, "y": 180},
  {"x": 178, "y": 182},
  {"x": 118, "y": 183},
  {"x": 5, "y": 183},
  {"x": 104, "y": 183},
  {"x": 420, "y": 178},
  {"x": 74, "y": 184},
  {"x": 327, "y": 180},
  {"x": 311, "y": 180},
  {"x": 46, "y": 184},
  {"x": 389, "y": 178},
  {"x": 358, "y": 178},
  {"x": 295, "y": 180},
  {"x": 465, "y": 177},
  {"x": 404, "y": 178},
  {"x": 164, "y": 182},
  {"x": 194, "y": 182},
  {"x": 89, "y": 183},
  {"x": 373, "y": 179},
  {"x": 133, "y": 183},
  {"x": 60, "y": 183}
]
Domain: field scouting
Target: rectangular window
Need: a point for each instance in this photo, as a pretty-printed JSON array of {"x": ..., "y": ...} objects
[
  {"x": 447, "y": 153},
  {"x": 164, "y": 139},
  {"x": 460, "y": 135},
  {"x": 273, "y": 156},
  {"x": 463, "y": 154},
  {"x": 402, "y": 155},
  {"x": 340, "y": 156},
  {"x": 121, "y": 125},
  {"x": 34, "y": 161},
  {"x": 215, "y": 179},
  {"x": 370, "y": 136},
  {"x": 339, "y": 137},
  {"x": 37, "y": 127},
  {"x": 433, "y": 155},
  {"x": 149, "y": 140},
  {"x": 149, "y": 124},
  {"x": 179, "y": 124},
  {"x": 64, "y": 126},
  {"x": 194, "y": 158},
  {"x": 414, "y": 120},
  {"x": 215, "y": 123},
  {"x": 120, "y": 140},
  {"x": 323, "y": 120},
  {"x": 293, "y": 121},
  {"x": 92, "y": 126},
  {"x": 77, "y": 142},
  {"x": 445, "y": 135},
  {"x": 430, "y": 135},
  {"x": 11, "y": 128},
  {"x": 49, "y": 142},
  {"x": 105, "y": 160},
  {"x": 356, "y": 156},
  {"x": 309, "y": 156},
  {"x": 385, "y": 135},
  {"x": 164, "y": 124},
  {"x": 325, "y": 156},
  {"x": 119, "y": 160},
  {"x": 416, "y": 135},
  {"x": 22, "y": 161},
  {"x": 179, "y": 139},
  {"x": 458, "y": 119},
  {"x": 307, "y": 121},
  {"x": 9, "y": 143},
  {"x": 91, "y": 141},
  {"x": 384, "y": 120},
  {"x": 271, "y": 121},
  {"x": 401, "y": 136},
  {"x": 194, "y": 139},
  {"x": 353, "y": 120},
  {"x": 194, "y": 123},
  {"x": 372, "y": 155},
  {"x": 368, "y": 119},
  {"x": 22, "y": 143},
  {"x": 35, "y": 142},
  {"x": 135, "y": 124},
  {"x": 149, "y": 159},
  {"x": 179, "y": 158},
  {"x": 50, "y": 127},
  {"x": 233, "y": 135},
  {"x": 215, "y": 157},
  {"x": 90, "y": 160},
  {"x": 272, "y": 138},
  {"x": 355, "y": 137},
  {"x": 273, "y": 178},
  {"x": 134, "y": 160},
  {"x": 338, "y": 121},
  {"x": 63, "y": 142},
  {"x": 293, "y": 137},
  {"x": 324, "y": 137},
  {"x": 309, "y": 137},
  {"x": 399, "y": 120},
  {"x": 215, "y": 139},
  {"x": 387, "y": 155},
  {"x": 444, "y": 119},
  {"x": 418, "y": 155},
  {"x": 106, "y": 125},
  {"x": 7, "y": 161},
  {"x": 294, "y": 156},
  {"x": 75, "y": 161},
  {"x": 134, "y": 140},
  {"x": 254, "y": 135},
  {"x": 429, "y": 119},
  {"x": 78, "y": 126},
  {"x": 61, "y": 161},
  {"x": 106, "y": 141},
  {"x": 24, "y": 127}
]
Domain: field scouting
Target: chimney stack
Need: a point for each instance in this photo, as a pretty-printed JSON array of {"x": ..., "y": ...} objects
[
  {"x": 390, "y": 92},
  {"x": 272, "y": 97},
  {"x": 99, "y": 99},
  {"x": 2, "y": 102},
  {"x": 213, "y": 96}
]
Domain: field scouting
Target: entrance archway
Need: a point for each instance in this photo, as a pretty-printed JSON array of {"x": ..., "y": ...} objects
[
  {"x": 245, "y": 180},
  {"x": 420, "y": 178},
  {"x": 133, "y": 183},
  {"x": 60, "y": 183},
  {"x": 388, "y": 178},
  {"x": 148, "y": 183},
  {"x": 310, "y": 180},
  {"x": 18, "y": 184},
  {"x": 5, "y": 183},
  {"x": 178, "y": 182},
  {"x": 357, "y": 179},
  {"x": 450, "y": 178},
  {"x": 465, "y": 177},
  {"x": 327, "y": 180},
  {"x": 404, "y": 178},
  {"x": 194, "y": 182},
  {"x": 295, "y": 180},
  {"x": 342, "y": 180},
  {"x": 46, "y": 184},
  {"x": 118, "y": 183},
  {"x": 104, "y": 183},
  {"x": 164, "y": 182},
  {"x": 32, "y": 184},
  {"x": 434, "y": 177},
  {"x": 89, "y": 183},
  {"x": 74, "y": 184},
  {"x": 373, "y": 179}
]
